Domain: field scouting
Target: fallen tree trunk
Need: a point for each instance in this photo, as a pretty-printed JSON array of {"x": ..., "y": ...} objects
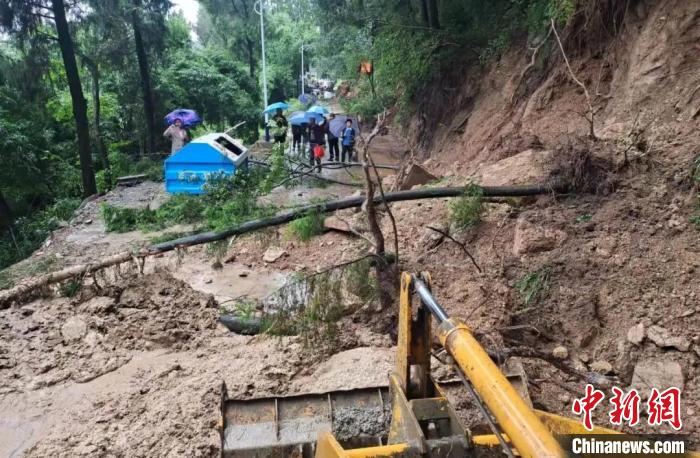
[
  {"x": 350, "y": 202},
  {"x": 9, "y": 295}
]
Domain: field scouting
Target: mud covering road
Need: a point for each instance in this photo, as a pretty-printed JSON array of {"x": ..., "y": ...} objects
[{"x": 137, "y": 370}]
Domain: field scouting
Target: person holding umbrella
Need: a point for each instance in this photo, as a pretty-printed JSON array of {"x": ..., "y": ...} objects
[
  {"x": 177, "y": 134},
  {"x": 279, "y": 131},
  {"x": 179, "y": 121},
  {"x": 333, "y": 150}
]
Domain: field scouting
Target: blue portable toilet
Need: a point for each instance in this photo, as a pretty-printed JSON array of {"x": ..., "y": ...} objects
[{"x": 189, "y": 169}]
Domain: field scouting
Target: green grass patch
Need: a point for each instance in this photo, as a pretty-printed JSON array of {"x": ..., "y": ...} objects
[
  {"x": 10, "y": 276},
  {"x": 227, "y": 201},
  {"x": 466, "y": 211},
  {"x": 583, "y": 218},
  {"x": 306, "y": 227},
  {"x": 534, "y": 286},
  {"x": 69, "y": 288}
]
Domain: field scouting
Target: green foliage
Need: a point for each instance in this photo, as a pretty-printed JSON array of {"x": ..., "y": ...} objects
[
  {"x": 583, "y": 218},
  {"x": 318, "y": 321},
  {"x": 245, "y": 308},
  {"x": 360, "y": 281},
  {"x": 695, "y": 220},
  {"x": 534, "y": 286},
  {"x": 541, "y": 12},
  {"x": 10, "y": 276},
  {"x": 306, "y": 227},
  {"x": 466, "y": 211},
  {"x": 168, "y": 236},
  {"x": 120, "y": 220},
  {"x": 227, "y": 202},
  {"x": 69, "y": 288},
  {"x": 28, "y": 233},
  {"x": 279, "y": 169}
]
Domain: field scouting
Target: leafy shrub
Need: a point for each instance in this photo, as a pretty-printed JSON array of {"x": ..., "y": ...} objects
[
  {"x": 29, "y": 232},
  {"x": 306, "y": 227},
  {"x": 360, "y": 281},
  {"x": 466, "y": 211},
  {"x": 118, "y": 219}
]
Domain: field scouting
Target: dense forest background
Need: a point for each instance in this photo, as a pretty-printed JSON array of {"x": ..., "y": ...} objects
[{"x": 84, "y": 84}]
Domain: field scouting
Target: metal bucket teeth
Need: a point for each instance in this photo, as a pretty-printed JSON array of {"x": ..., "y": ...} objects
[{"x": 289, "y": 426}]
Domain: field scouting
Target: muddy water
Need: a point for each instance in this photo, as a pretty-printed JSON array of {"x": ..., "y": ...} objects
[
  {"x": 27, "y": 417},
  {"x": 231, "y": 281}
]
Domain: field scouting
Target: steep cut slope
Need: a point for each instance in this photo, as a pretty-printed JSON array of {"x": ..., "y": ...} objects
[{"x": 613, "y": 267}]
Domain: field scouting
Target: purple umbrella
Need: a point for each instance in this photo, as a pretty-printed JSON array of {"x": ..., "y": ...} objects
[
  {"x": 189, "y": 118},
  {"x": 338, "y": 123}
]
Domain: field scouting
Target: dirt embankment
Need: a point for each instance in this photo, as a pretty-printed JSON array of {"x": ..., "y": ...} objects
[{"x": 614, "y": 269}]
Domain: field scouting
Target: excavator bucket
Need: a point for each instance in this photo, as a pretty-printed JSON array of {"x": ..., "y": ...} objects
[{"x": 289, "y": 426}]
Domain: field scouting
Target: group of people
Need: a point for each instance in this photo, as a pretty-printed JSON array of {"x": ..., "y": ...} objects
[{"x": 317, "y": 136}]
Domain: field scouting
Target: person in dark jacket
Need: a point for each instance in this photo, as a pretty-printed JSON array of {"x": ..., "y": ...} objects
[
  {"x": 333, "y": 151},
  {"x": 348, "y": 139},
  {"x": 296, "y": 137},
  {"x": 317, "y": 137}
]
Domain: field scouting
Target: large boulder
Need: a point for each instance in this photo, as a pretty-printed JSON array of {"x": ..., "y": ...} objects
[
  {"x": 533, "y": 238},
  {"x": 528, "y": 167},
  {"x": 415, "y": 176}
]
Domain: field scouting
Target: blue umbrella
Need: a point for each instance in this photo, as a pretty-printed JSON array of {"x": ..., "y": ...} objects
[
  {"x": 307, "y": 98},
  {"x": 276, "y": 106},
  {"x": 189, "y": 118},
  {"x": 302, "y": 117},
  {"x": 318, "y": 109}
]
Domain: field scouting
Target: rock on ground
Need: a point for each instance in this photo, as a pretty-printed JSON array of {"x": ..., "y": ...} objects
[
  {"x": 527, "y": 167},
  {"x": 534, "y": 238},
  {"x": 635, "y": 334},
  {"x": 657, "y": 373},
  {"x": 272, "y": 254},
  {"x": 662, "y": 337}
]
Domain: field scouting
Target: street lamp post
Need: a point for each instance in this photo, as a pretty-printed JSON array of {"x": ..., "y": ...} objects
[
  {"x": 302, "y": 68},
  {"x": 260, "y": 9}
]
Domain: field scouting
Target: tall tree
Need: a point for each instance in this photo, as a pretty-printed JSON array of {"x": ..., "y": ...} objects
[
  {"x": 433, "y": 14},
  {"x": 237, "y": 19},
  {"x": 82, "y": 127},
  {"x": 26, "y": 18},
  {"x": 145, "y": 73}
]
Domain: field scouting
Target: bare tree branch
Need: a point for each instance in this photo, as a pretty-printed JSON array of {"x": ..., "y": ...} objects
[{"x": 591, "y": 112}]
